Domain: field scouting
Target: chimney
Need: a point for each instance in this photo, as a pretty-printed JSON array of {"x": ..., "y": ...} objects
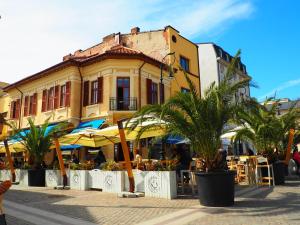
[{"x": 135, "y": 30}]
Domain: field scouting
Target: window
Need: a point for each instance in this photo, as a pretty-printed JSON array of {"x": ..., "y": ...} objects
[
  {"x": 15, "y": 109},
  {"x": 185, "y": 90},
  {"x": 31, "y": 105},
  {"x": 94, "y": 92},
  {"x": 63, "y": 92},
  {"x": 184, "y": 62},
  {"x": 50, "y": 104},
  {"x": 154, "y": 93}
]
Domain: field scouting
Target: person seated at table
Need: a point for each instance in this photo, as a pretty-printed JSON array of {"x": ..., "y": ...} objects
[
  {"x": 100, "y": 159},
  {"x": 296, "y": 156},
  {"x": 183, "y": 156},
  {"x": 75, "y": 159}
]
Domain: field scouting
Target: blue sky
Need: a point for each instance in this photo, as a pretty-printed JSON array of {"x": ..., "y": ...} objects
[{"x": 36, "y": 35}]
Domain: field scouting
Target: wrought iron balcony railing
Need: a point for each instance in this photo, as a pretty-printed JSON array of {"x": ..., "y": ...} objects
[{"x": 122, "y": 104}]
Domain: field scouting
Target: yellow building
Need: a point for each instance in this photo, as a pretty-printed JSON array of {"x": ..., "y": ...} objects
[{"x": 110, "y": 80}]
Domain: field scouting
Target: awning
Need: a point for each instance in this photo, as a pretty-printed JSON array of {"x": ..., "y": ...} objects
[{"x": 94, "y": 124}]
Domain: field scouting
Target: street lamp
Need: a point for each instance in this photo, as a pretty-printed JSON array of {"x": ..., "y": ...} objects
[
  {"x": 161, "y": 92},
  {"x": 161, "y": 74}
]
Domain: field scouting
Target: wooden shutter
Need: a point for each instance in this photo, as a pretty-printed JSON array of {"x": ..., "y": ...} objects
[
  {"x": 12, "y": 109},
  {"x": 17, "y": 109},
  {"x": 44, "y": 101},
  {"x": 86, "y": 86},
  {"x": 149, "y": 90},
  {"x": 26, "y": 103},
  {"x": 100, "y": 89},
  {"x": 68, "y": 93},
  {"x": 56, "y": 97},
  {"x": 34, "y": 104}
]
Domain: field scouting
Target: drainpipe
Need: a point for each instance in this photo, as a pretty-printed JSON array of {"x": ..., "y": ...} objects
[
  {"x": 199, "y": 70},
  {"x": 140, "y": 86},
  {"x": 81, "y": 90},
  {"x": 21, "y": 103}
]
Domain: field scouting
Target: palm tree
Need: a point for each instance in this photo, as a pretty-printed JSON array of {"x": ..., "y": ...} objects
[
  {"x": 37, "y": 140},
  {"x": 201, "y": 120},
  {"x": 264, "y": 128}
]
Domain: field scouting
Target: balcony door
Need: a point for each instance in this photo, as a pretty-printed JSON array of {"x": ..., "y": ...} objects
[{"x": 123, "y": 93}]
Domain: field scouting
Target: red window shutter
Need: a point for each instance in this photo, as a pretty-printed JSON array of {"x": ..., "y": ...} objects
[
  {"x": 100, "y": 90},
  {"x": 44, "y": 101},
  {"x": 86, "y": 86},
  {"x": 26, "y": 102},
  {"x": 149, "y": 91},
  {"x": 17, "y": 109},
  {"x": 12, "y": 104},
  {"x": 56, "y": 97},
  {"x": 68, "y": 93},
  {"x": 34, "y": 104},
  {"x": 162, "y": 92}
]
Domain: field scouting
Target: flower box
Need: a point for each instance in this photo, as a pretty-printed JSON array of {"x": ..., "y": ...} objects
[
  {"x": 79, "y": 179},
  {"x": 95, "y": 179},
  {"x": 23, "y": 177},
  {"x": 53, "y": 178},
  {"x": 139, "y": 180},
  {"x": 6, "y": 175},
  {"x": 113, "y": 181},
  {"x": 161, "y": 184}
]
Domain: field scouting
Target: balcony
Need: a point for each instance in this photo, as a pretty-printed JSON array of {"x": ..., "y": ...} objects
[{"x": 122, "y": 104}]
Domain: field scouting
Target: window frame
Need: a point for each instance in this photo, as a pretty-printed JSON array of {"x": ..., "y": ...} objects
[
  {"x": 187, "y": 63},
  {"x": 63, "y": 96},
  {"x": 50, "y": 99},
  {"x": 94, "y": 92}
]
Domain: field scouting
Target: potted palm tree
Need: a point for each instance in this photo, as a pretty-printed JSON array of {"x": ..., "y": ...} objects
[
  {"x": 268, "y": 131},
  {"x": 202, "y": 120},
  {"x": 37, "y": 140}
]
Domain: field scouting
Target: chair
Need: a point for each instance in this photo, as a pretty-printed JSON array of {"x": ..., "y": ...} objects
[
  {"x": 262, "y": 162},
  {"x": 241, "y": 170},
  {"x": 192, "y": 178}
]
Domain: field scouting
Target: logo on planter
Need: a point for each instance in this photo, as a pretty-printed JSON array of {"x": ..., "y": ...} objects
[
  {"x": 51, "y": 176},
  {"x": 76, "y": 178},
  {"x": 153, "y": 184},
  {"x": 108, "y": 181}
]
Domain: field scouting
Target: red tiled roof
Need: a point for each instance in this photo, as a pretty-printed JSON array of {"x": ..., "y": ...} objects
[{"x": 116, "y": 52}]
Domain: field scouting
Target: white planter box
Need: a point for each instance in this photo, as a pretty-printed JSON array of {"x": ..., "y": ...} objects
[
  {"x": 139, "y": 180},
  {"x": 23, "y": 177},
  {"x": 53, "y": 178},
  {"x": 113, "y": 181},
  {"x": 79, "y": 179},
  {"x": 6, "y": 175},
  {"x": 161, "y": 184},
  {"x": 95, "y": 179}
]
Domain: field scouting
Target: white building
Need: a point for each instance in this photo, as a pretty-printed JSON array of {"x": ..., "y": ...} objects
[{"x": 213, "y": 63}]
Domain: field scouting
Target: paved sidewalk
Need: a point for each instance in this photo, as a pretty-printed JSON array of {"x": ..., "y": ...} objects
[{"x": 24, "y": 206}]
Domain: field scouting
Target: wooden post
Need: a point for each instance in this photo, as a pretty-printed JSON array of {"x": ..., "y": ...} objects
[
  {"x": 11, "y": 165},
  {"x": 61, "y": 162},
  {"x": 126, "y": 156},
  {"x": 289, "y": 146}
]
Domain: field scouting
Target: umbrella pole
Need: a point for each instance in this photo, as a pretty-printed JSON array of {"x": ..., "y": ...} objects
[
  {"x": 289, "y": 147},
  {"x": 126, "y": 156},
  {"x": 11, "y": 165},
  {"x": 61, "y": 163}
]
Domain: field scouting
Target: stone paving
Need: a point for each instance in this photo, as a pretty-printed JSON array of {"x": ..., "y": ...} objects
[{"x": 279, "y": 205}]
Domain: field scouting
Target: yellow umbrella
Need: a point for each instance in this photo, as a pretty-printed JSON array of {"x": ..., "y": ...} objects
[
  {"x": 13, "y": 147},
  {"x": 88, "y": 137}
]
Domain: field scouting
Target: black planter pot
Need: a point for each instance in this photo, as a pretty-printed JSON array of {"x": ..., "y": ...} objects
[
  {"x": 216, "y": 188},
  {"x": 36, "y": 177},
  {"x": 279, "y": 172}
]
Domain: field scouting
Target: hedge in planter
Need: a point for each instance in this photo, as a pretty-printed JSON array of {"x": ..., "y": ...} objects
[{"x": 202, "y": 120}]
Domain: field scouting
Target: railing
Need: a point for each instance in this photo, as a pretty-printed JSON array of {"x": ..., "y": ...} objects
[{"x": 122, "y": 104}]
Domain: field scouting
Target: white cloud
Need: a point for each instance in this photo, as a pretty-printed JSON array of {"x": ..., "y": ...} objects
[
  {"x": 288, "y": 84},
  {"x": 37, "y": 34}
]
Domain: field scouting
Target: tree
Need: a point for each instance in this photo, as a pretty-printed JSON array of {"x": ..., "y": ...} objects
[
  {"x": 37, "y": 140},
  {"x": 264, "y": 128},
  {"x": 201, "y": 120}
]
